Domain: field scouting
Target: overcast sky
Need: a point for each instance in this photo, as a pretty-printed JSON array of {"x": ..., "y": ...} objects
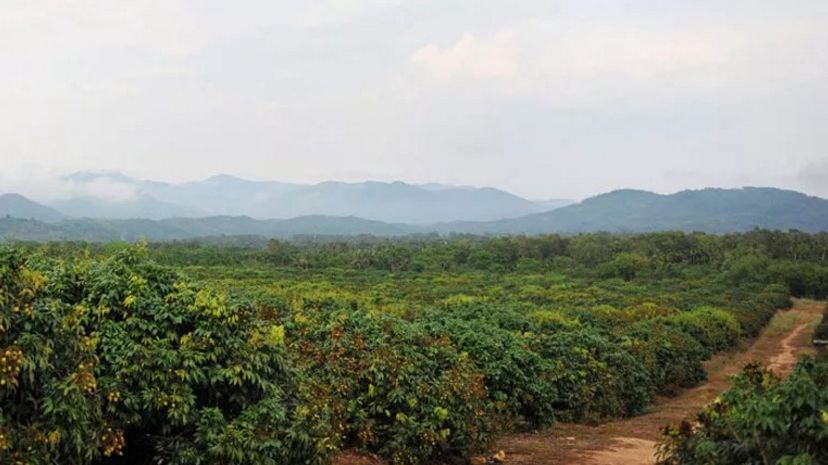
[{"x": 542, "y": 98}]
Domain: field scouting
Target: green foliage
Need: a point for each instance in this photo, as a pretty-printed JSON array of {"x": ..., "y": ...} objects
[
  {"x": 625, "y": 265},
  {"x": 389, "y": 386},
  {"x": 801, "y": 279},
  {"x": 522, "y": 385},
  {"x": 121, "y": 357},
  {"x": 761, "y": 420},
  {"x": 821, "y": 331},
  {"x": 671, "y": 356},
  {"x": 595, "y": 377},
  {"x": 713, "y": 328},
  {"x": 418, "y": 348},
  {"x": 776, "y": 296},
  {"x": 50, "y": 409}
]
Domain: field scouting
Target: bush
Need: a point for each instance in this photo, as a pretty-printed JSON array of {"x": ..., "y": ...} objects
[
  {"x": 761, "y": 420},
  {"x": 803, "y": 279},
  {"x": 391, "y": 387},
  {"x": 713, "y": 328},
  {"x": 125, "y": 358},
  {"x": 50, "y": 408},
  {"x": 776, "y": 296},
  {"x": 520, "y": 382},
  {"x": 821, "y": 331},
  {"x": 596, "y": 378},
  {"x": 755, "y": 310},
  {"x": 625, "y": 265},
  {"x": 671, "y": 357}
]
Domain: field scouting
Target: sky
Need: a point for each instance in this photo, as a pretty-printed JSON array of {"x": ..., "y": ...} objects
[{"x": 543, "y": 98}]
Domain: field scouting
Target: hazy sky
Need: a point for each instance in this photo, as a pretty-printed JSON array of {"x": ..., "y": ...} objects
[{"x": 542, "y": 98}]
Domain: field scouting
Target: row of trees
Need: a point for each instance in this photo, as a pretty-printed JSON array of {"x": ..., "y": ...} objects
[
  {"x": 464, "y": 252},
  {"x": 419, "y": 253}
]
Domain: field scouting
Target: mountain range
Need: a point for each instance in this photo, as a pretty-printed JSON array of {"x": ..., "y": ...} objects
[
  {"x": 632, "y": 211},
  {"x": 622, "y": 211},
  {"x": 225, "y": 195}
]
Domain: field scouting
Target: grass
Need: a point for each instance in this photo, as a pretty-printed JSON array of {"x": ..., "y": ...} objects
[{"x": 783, "y": 322}]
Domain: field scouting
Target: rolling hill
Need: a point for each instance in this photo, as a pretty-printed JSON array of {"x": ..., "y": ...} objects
[
  {"x": 708, "y": 210},
  {"x": 17, "y": 206},
  {"x": 623, "y": 211},
  {"x": 225, "y": 195}
]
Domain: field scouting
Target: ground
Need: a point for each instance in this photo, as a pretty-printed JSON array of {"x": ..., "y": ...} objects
[{"x": 632, "y": 441}]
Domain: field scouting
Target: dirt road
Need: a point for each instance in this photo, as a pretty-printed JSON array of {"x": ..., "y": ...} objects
[{"x": 632, "y": 441}]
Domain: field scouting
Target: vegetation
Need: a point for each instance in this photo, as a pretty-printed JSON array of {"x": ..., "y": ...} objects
[
  {"x": 247, "y": 351},
  {"x": 709, "y": 210},
  {"x": 397, "y": 210},
  {"x": 761, "y": 420},
  {"x": 120, "y": 357}
]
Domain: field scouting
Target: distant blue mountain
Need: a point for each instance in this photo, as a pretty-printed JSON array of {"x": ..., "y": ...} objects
[
  {"x": 17, "y": 206},
  {"x": 623, "y": 211},
  {"x": 231, "y": 196},
  {"x": 708, "y": 210}
]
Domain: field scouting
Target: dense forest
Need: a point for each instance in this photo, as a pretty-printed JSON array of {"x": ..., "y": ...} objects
[{"x": 251, "y": 351}]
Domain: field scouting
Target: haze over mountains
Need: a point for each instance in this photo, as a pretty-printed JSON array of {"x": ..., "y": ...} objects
[
  {"x": 228, "y": 195},
  {"x": 191, "y": 208}
]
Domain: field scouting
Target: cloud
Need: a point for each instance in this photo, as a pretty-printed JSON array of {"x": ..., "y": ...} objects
[
  {"x": 561, "y": 98},
  {"x": 105, "y": 188},
  {"x": 602, "y": 61},
  {"x": 46, "y": 185},
  {"x": 331, "y": 12},
  {"x": 814, "y": 177},
  {"x": 471, "y": 57}
]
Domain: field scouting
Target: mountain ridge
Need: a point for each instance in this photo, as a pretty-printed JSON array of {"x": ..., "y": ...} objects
[
  {"x": 711, "y": 210},
  {"x": 224, "y": 194},
  {"x": 715, "y": 210},
  {"x": 18, "y": 206}
]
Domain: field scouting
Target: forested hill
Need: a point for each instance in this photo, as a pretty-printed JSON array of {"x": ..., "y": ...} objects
[{"x": 708, "y": 210}]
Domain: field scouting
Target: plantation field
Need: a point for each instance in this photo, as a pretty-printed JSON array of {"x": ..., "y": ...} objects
[
  {"x": 418, "y": 349},
  {"x": 633, "y": 441}
]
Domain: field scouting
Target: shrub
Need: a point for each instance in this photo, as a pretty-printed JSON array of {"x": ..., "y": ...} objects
[
  {"x": 596, "y": 378},
  {"x": 196, "y": 376},
  {"x": 776, "y": 296},
  {"x": 50, "y": 408},
  {"x": 391, "y": 387},
  {"x": 755, "y": 310},
  {"x": 761, "y": 420},
  {"x": 671, "y": 357},
  {"x": 520, "y": 383},
  {"x": 821, "y": 331},
  {"x": 713, "y": 328},
  {"x": 624, "y": 265},
  {"x": 125, "y": 358},
  {"x": 803, "y": 279}
]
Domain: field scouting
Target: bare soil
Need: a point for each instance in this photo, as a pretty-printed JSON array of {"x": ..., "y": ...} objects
[{"x": 632, "y": 441}]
